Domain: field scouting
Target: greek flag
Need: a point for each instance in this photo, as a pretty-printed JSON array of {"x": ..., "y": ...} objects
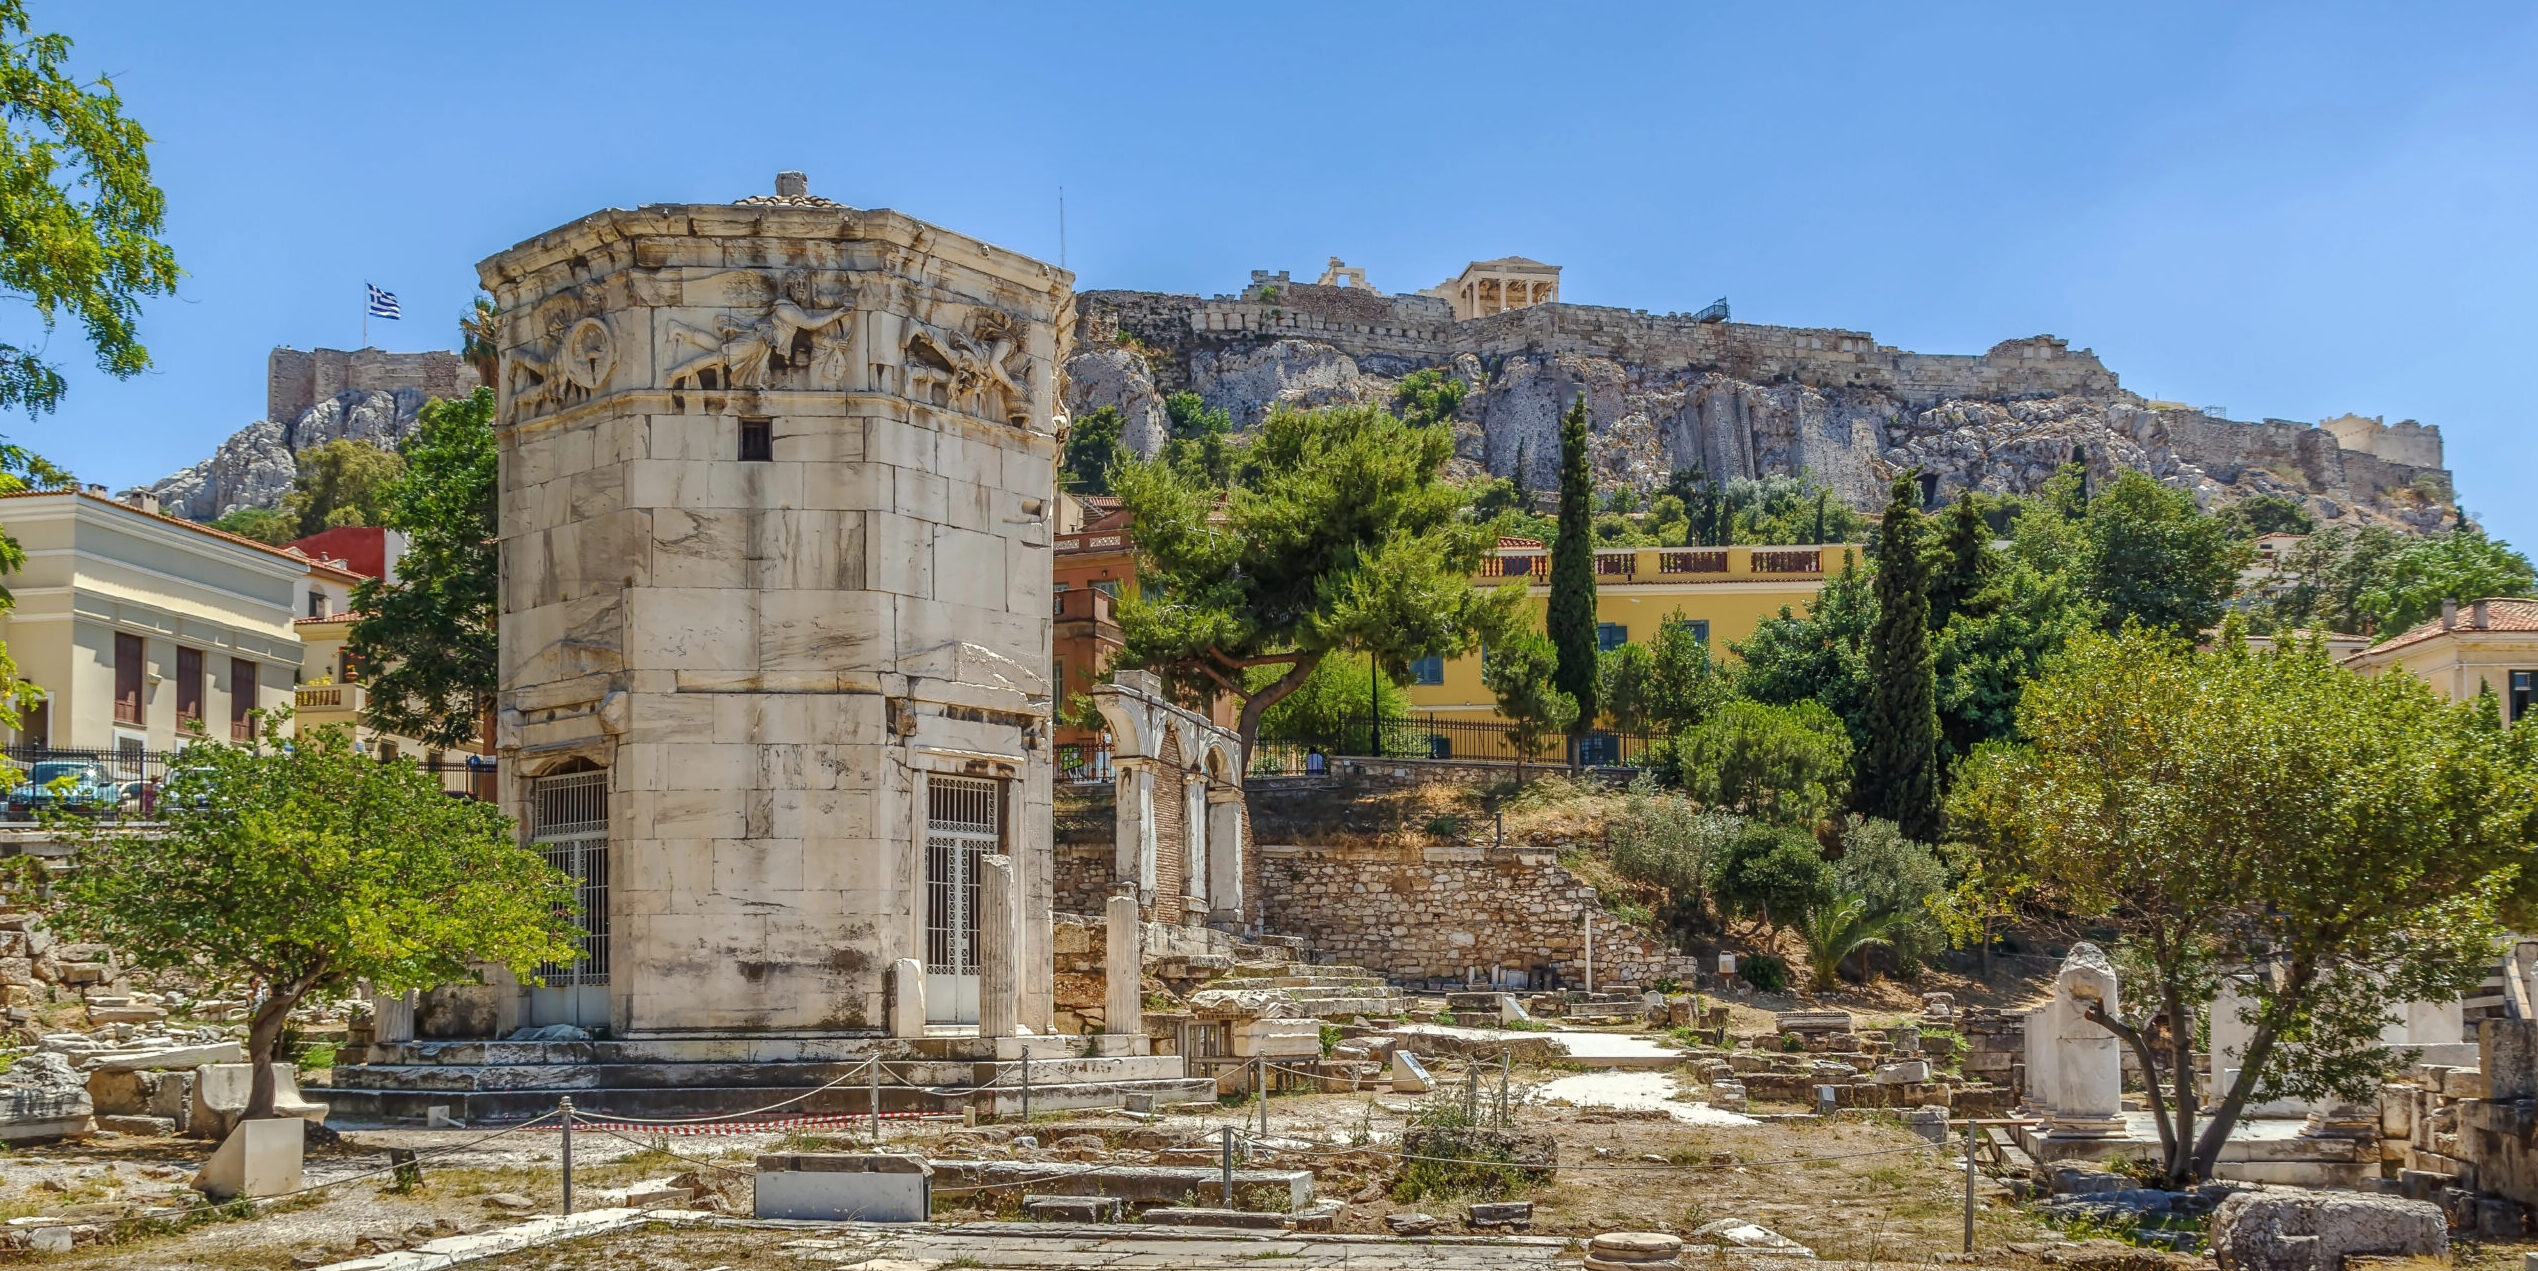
[{"x": 383, "y": 304}]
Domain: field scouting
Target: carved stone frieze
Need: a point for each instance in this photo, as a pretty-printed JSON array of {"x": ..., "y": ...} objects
[
  {"x": 763, "y": 345},
  {"x": 973, "y": 370}
]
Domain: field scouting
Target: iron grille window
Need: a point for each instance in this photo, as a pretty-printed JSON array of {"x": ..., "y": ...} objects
[
  {"x": 757, "y": 440},
  {"x": 570, "y": 819},
  {"x": 2524, "y": 686},
  {"x": 960, "y": 828},
  {"x": 1610, "y": 636}
]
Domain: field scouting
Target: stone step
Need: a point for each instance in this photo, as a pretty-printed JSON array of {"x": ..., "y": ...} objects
[
  {"x": 1295, "y": 982},
  {"x": 740, "y": 1050},
  {"x": 353, "y": 1106},
  {"x": 565, "y": 1078}
]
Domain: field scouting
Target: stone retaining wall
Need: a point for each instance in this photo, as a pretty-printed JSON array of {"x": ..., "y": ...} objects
[{"x": 1445, "y": 912}]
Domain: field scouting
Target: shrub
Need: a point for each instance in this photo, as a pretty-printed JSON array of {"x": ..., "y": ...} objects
[
  {"x": 1765, "y": 971},
  {"x": 1772, "y": 872},
  {"x": 1785, "y": 763}
]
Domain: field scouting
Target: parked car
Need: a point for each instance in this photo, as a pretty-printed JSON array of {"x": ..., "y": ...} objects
[{"x": 91, "y": 790}]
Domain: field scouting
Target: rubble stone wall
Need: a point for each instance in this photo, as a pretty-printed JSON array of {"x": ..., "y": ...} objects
[{"x": 1440, "y": 912}]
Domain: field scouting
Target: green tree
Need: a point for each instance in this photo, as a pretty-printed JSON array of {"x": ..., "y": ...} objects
[
  {"x": 1666, "y": 841},
  {"x": 341, "y": 482},
  {"x": 1898, "y": 776},
  {"x": 79, "y": 217},
  {"x": 1664, "y": 684},
  {"x": 1822, "y": 657},
  {"x": 1201, "y": 439},
  {"x": 1961, "y": 561},
  {"x": 1340, "y": 532},
  {"x": 1427, "y": 397},
  {"x": 1570, "y": 621},
  {"x": 1093, "y": 451},
  {"x": 2268, "y": 514},
  {"x": 2459, "y": 566},
  {"x": 2145, "y": 554},
  {"x": 304, "y": 867},
  {"x": 1837, "y": 927},
  {"x": 1521, "y": 670},
  {"x": 2359, "y": 838},
  {"x": 1901, "y": 879},
  {"x": 1775, "y": 874},
  {"x": 480, "y": 340},
  {"x": 430, "y": 630},
  {"x": 1334, "y": 704},
  {"x": 264, "y": 525},
  {"x": 2321, "y": 582},
  {"x": 1999, "y": 640},
  {"x": 1788, "y": 764}
]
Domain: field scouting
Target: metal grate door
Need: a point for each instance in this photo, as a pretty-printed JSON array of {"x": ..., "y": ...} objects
[
  {"x": 569, "y": 820},
  {"x": 960, "y": 828}
]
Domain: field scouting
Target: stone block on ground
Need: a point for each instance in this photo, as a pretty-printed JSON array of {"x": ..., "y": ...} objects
[
  {"x": 2287, "y": 1230},
  {"x": 1426, "y": 1225},
  {"x": 1633, "y": 1251},
  {"x": 1279, "y": 1038},
  {"x": 1179, "y": 1216},
  {"x": 258, "y": 1158},
  {"x": 1728, "y": 1096},
  {"x": 145, "y": 1127},
  {"x": 1908, "y": 1072},
  {"x": 41, "y": 1097},
  {"x": 1073, "y": 1208},
  {"x": 843, "y": 1187},
  {"x": 1498, "y": 1215},
  {"x": 1930, "y": 1122},
  {"x": 1736, "y": 1233},
  {"x": 1409, "y": 1076},
  {"x": 1813, "y": 1021},
  {"x": 221, "y": 1092}
]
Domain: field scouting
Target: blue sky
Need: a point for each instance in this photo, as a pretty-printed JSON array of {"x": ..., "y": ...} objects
[{"x": 2292, "y": 211}]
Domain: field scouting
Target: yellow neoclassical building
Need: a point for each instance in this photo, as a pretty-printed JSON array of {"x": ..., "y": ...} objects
[
  {"x": 2491, "y": 643},
  {"x": 1723, "y": 592}
]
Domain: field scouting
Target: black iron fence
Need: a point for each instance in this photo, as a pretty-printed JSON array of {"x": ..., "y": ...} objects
[{"x": 1440, "y": 737}]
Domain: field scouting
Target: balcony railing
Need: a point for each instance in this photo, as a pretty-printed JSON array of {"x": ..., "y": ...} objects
[
  {"x": 1807, "y": 562},
  {"x": 1653, "y": 565}
]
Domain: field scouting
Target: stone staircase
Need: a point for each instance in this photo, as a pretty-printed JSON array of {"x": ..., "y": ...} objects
[
  {"x": 507, "y": 1081},
  {"x": 1324, "y": 992}
]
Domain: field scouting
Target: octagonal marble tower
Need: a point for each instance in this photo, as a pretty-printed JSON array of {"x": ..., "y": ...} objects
[{"x": 776, "y": 486}]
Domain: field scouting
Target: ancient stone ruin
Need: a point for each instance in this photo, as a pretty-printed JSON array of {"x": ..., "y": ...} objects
[{"x": 1679, "y": 390}]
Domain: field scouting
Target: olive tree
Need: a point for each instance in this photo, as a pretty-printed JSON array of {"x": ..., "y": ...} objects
[
  {"x": 301, "y": 867},
  {"x": 2358, "y": 840}
]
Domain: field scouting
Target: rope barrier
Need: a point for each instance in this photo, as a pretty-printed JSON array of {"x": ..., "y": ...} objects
[{"x": 172, "y": 1215}]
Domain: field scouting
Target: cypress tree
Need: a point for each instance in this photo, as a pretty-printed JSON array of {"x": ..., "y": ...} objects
[
  {"x": 1571, "y": 620},
  {"x": 1897, "y": 777},
  {"x": 1961, "y": 560}
]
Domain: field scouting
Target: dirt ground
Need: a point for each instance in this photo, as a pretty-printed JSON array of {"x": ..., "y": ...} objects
[{"x": 1636, "y": 1153}]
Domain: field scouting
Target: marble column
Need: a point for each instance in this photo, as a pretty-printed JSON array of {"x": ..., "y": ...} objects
[
  {"x": 999, "y": 947},
  {"x": 1123, "y": 965},
  {"x": 1225, "y": 856}
]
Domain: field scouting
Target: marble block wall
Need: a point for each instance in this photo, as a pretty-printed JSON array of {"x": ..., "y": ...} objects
[{"x": 775, "y": 499}]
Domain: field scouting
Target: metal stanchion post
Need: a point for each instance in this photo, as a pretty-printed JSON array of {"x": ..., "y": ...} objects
[
  {"x": 874, "y": 1084},
  {"x": 1229, "y": 1166},
  {"x": 565, "y": 1106},
  {"x": 1969, "y": 1185},
  {"x": 1261, "y": 1083},
  {"x": 1026, "y": 1087},
  {"x": 1506, "y": 1065}
]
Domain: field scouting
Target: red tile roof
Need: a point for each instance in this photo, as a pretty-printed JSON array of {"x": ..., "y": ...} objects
[
  {"x": 198, "y": 527},
  {"x": 2501, "y": 614}
]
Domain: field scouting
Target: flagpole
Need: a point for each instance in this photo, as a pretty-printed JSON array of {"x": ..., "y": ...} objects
[{"x": 365, "y": 315}]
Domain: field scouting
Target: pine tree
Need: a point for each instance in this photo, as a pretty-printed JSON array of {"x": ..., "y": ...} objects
[
  {"x": 1571, "y": 620},
  {"x": 1959, "y": 562},
  {"x": 1898, "y": 767}
]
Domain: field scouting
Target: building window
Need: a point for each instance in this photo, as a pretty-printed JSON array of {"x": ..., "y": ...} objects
[
  {"x": 242, "y": 700},
  {"x": 1610, "y": 636},
  {"x": 1107, "y": 586},
  {"x": 961, "y": 830},
  {"x": 317, "y": 605},
  {"x": 189, "y": 687},
  {"x": 35, "y": 727},
  {"x": 128, "y": 672},
  {"x": 568, "y": 818},
  {"x": 2524, "y": 686},
  {"x": 757, "y": 440},
  {"x": 1427, "y": 670},
  {"x": 1700, "y": 629}
]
